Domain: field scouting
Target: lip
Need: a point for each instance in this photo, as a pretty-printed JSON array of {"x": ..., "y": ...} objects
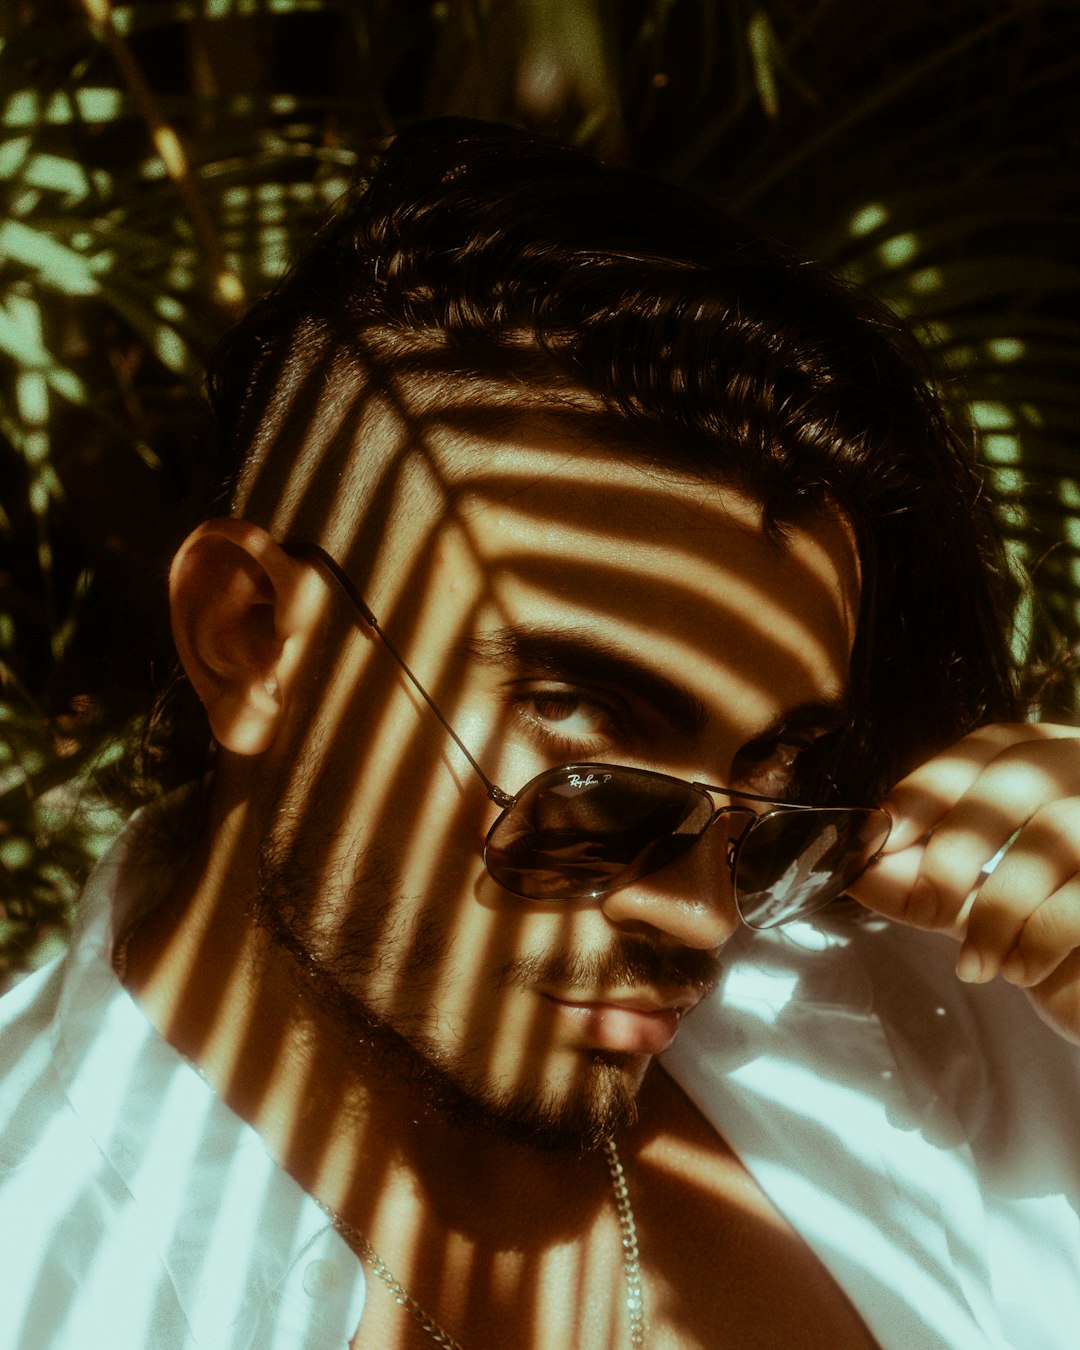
[{"x": 636, "y": 1024}]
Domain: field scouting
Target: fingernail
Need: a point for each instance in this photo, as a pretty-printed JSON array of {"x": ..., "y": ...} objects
[
  {"x": 922, "y": 906},
  {"x": 969, "y": 966}
]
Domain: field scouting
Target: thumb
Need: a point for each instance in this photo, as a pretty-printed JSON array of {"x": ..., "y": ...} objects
[
  {"x": 886, "y": 885},
  {"x": 890, "y": 887}
]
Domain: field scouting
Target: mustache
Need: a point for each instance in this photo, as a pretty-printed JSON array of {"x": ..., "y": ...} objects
[{"x": 630, "y": 962}]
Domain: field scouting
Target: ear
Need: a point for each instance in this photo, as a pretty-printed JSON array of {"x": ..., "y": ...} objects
[{"x": 238, "y": 616}]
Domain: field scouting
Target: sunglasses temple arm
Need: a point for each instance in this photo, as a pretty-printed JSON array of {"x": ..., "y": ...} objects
[{"x": 318, "y": 554}]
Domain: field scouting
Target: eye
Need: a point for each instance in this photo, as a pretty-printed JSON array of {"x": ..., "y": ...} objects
[
  {"x": 568, "y": 717},
  {"x": 768, "y": 769}
]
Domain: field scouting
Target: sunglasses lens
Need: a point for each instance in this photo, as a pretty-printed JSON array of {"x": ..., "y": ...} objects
[
  {"x": 792, "y": 863},
  {"x": 584, "y": 829}
]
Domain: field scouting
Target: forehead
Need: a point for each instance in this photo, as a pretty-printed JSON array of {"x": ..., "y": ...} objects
[{"x": 674, "y": 572}]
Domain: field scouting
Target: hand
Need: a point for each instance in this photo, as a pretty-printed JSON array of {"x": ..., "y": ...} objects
[{"x": 1012, "y": 787}]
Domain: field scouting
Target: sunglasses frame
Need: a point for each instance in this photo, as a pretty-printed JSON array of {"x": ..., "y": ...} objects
[
  {"x": 315, "y": 553},
  {"x": 708, "y": 792}
]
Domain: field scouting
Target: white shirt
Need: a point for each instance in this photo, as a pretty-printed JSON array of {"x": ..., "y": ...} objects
[
  {"x": 921, "y": 1136},
  {"x": 137, "y": 1212}
]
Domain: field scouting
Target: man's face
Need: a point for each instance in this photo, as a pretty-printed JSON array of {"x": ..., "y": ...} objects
[{"x": 565, "y": 608}]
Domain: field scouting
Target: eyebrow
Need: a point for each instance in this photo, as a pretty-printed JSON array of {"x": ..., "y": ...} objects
[{"x": 566, "y": 653}]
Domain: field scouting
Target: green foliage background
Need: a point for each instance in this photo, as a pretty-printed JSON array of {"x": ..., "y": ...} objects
[{"x": 159, "y": 160}]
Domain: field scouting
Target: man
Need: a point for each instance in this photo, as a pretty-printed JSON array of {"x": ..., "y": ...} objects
[{"x": 591, "y": 573}]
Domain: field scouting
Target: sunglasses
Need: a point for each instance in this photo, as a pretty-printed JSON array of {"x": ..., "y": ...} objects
[{"x": 580, "y": 831}]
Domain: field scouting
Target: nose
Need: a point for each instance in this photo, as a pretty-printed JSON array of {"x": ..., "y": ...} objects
[{"x": 690, "y": 900}]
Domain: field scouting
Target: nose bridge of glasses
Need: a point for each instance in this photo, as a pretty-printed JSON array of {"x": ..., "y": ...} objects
[{"x": 737, "y": 820}]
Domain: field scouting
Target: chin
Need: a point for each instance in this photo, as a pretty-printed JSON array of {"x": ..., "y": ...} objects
[
  {"x": 600, "y": 1104},
  {"x": 575, "y": 1115},
  {"x": 576, "y": 1112}
]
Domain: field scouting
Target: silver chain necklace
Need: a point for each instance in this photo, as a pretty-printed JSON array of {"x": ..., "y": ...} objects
[{"x": 635, "y": 1299}]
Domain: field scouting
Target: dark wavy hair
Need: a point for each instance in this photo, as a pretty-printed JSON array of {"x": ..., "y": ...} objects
[{"x": 482, "y": 255}]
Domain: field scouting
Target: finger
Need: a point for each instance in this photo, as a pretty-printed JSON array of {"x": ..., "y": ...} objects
[
  {"x": 1057, "y": 998},
  {"x": 1008, "y": 792},
  {"x": 1050, "y": 936},
  {"x": 1042, "y": 859},
  {"x": 889, "y": 888},
  {"x": 886, "y": 885},
  {"x": 919, "y": 801}
]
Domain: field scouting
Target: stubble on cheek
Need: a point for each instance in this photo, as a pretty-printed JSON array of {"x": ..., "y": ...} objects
[
  {"x": 379, "y": 943},
  {"x": 357, "y": 928},
  {"x": 379, "y": 967}
]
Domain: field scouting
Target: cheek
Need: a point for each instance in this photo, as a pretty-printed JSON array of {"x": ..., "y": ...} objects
[
  {"x": 390, "y": 781},
  {"x": 434, "y": 825}
]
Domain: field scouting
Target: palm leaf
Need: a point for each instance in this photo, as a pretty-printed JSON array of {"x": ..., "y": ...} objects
[{"x": 153, "y": 170}]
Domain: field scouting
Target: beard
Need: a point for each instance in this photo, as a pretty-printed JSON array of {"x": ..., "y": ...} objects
[{"x": 376, "y": 924}]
